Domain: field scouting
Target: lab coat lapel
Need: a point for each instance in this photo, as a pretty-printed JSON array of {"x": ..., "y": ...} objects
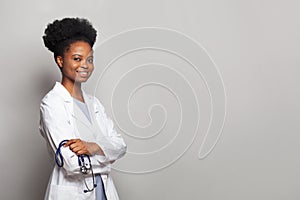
[
  {"x": 68, "y": 102},
  {"x": 74, "y": 111},
  {"x": 70, "y": 106}
]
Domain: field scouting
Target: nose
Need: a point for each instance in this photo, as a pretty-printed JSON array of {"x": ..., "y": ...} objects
[{"x": 84, "y": 65}]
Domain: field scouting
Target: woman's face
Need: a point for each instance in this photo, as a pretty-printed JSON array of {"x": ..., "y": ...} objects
[{"x": 77, "y": 63}]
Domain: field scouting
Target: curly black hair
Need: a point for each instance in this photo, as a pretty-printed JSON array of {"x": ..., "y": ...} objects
[{"x": 60, "y": 34}]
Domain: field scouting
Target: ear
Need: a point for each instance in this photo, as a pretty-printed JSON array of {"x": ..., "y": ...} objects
[{"x": 59, "y": 61}]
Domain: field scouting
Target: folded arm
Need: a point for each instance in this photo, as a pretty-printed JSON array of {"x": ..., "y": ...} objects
[
  {"x": 111, "y": 143},
  {"x": 55, "y": 126}
]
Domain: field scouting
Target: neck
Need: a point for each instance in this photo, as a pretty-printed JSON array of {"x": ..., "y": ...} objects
[{"x": 74, "y": 88}]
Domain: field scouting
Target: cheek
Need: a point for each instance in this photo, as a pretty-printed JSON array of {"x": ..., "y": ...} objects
[
  {"x": 91, "y": 66},
  {"x": 75, "y": 64},
  {"x": 72, "y": 65}
]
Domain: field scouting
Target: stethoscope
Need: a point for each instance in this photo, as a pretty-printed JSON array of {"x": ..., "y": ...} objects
[{"x": 85, "y": 167}]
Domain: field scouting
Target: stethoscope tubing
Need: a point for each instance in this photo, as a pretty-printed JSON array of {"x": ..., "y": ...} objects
[
  {"x": 58, "y": 156},
  {"x": 84, "y": 170}
]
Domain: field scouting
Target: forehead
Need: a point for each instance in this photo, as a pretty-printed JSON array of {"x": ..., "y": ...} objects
[{"x": 81, "y": 48}]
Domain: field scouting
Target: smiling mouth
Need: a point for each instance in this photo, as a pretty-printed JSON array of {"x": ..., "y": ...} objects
[{"x": 84, "y": 73}]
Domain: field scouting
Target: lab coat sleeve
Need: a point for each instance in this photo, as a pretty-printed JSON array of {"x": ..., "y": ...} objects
[
  {"x": 109, "y": 140},
  {"x": 55, "y": 127}
]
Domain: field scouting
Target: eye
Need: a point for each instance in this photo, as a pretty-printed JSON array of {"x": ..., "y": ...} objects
[
  {"x": 90, "y": 60},
  {"x": 77, "y": 59}
]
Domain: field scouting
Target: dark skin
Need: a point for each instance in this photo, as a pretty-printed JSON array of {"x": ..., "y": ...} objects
[{"x": 77, "y": 66}]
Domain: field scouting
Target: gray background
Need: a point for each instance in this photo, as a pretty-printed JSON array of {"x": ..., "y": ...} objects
[{"x": 255, "y": 46}]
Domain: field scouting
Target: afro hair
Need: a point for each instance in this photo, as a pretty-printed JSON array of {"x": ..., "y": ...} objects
[{"x": 60, "y": 34}]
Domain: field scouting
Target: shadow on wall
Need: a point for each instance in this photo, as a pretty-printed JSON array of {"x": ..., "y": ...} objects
[{"x": 41, "y": 167}]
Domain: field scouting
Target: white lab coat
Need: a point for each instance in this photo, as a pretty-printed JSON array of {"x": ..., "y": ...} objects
[{"x": 61, "y": 119}]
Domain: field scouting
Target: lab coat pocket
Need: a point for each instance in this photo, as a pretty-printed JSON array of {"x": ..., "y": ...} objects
[{"x": 62, "y": 192}]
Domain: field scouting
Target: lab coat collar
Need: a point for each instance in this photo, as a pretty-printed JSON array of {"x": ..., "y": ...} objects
[{"x": 64, "y": 93}]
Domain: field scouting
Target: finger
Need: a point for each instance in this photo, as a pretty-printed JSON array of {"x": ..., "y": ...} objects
[
  {"x": 77, "y": 149},
  {"x": 69, "y": 143},
  {"x": 81, "y": 152},
  {"x": 74, "y": 144},
  {"x": 72, "y": 141},
  {"x": 77, "y": 145}
]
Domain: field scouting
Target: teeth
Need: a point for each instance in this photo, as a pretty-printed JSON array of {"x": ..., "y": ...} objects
[{"x": 83, "y": 73}]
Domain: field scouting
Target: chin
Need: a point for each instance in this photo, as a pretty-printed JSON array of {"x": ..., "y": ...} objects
[{"x": 81, "y": 80}]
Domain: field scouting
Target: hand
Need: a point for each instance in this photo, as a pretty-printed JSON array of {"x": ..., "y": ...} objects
[{"x": 78, "y": 146}]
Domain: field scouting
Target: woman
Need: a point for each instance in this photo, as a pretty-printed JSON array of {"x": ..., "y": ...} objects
[{"x": 68, "y": 113}]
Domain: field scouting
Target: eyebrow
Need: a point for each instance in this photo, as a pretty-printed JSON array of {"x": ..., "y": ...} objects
[{"x": 76, "y": 54}]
